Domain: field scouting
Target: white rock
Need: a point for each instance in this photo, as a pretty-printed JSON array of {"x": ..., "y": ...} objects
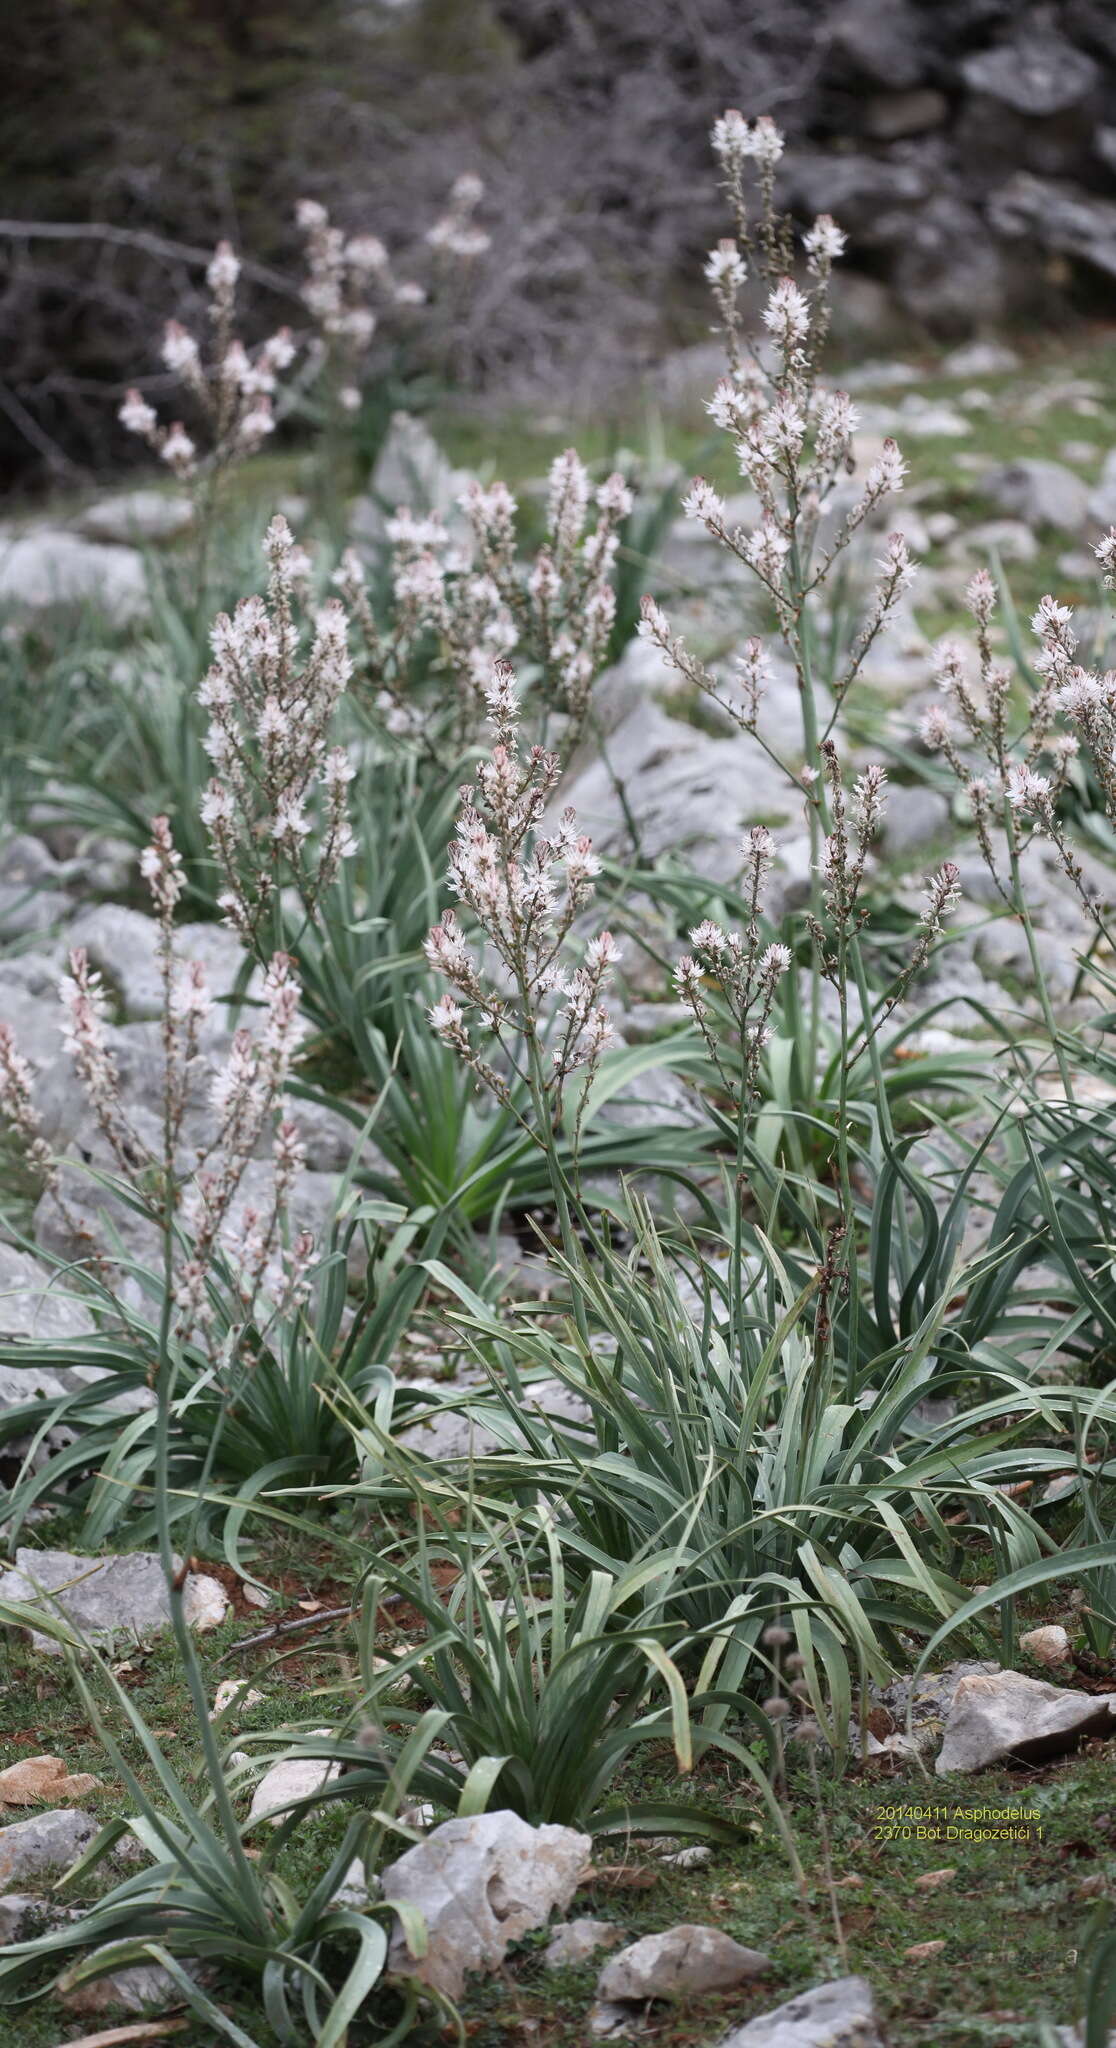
[
  {"x": 296, "y": 1778},
  {"x": 676, "y": 1963},
  {"x": 687, "y": 792},
  {"x": 105, "y": 1598},
  {"x": 576, "y": 1940},
  {"x": 138, "y": 517},
  {"x": 36, "y": 1302},
  {"x": 123, "y": 944},
  {"x": 1040, "y": 493},
  {"x": 1049, "y": 1645},
  {"x": 1007, "y": 1714},
  {"x": 481, "y": 1883},
  {"x": 837, "y": 2015},
  {"x": 24, "y": 1915},
  {"x": 1009, "y": 538},
  {"x": 1102, "y": 499},
  {"x": 457, "y": 1428},
  {"x": 980, "y": 359},
  {"x": 142, "y": 1988},
  {"x": 941, "y": 526},
  {"x": 45, "y": 1843},
  {"x": 235, "y": 1692},
  {"x": 45, "y": 566}
]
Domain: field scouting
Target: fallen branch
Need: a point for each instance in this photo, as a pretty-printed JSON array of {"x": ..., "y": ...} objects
[
  {"x": 136, "y": 2030},
  {"x": 139, "y": 238},
  {"x": 288, "y": 1628}
]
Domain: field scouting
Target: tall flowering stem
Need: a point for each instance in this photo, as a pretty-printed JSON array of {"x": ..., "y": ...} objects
[
  {"x": 189, "y": 1194},
  {"x": 475, "y": 602},
  {"x": 999, "y": 763},
  {"x": 792, "y": 440},
  {"x": 230, "y": 394},
  {"x": 276, "y": 808},
  {"x": 517, "y": 1010}
]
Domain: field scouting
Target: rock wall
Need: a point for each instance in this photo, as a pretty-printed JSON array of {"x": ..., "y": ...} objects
[{"x": 969, "y": 147}]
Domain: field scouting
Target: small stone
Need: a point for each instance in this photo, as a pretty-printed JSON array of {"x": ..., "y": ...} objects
[
  {"x": 235, "y": 1692},
  {"x": 1009, "y": 1715},
  {"x": 941, "y": 526},
  {"x": 1008, "y": 538},
  {"x": 481, "y": 1883},
  {"x": 1049, "y": 1645},
  {"x": 137, "y": 517},
  {"x": 1040, "y": 493},
  {"x": 35, "y": 1780},
  {"x": 46, "y": 1843},
  {"x": 142, "y": 1988},
  {"x": 575, "y": 1941},
  {"x": 837, "y": 2015},
  {"x": 285, "y": 1783},
  {"x": 104, "y": 1598},
  {"x": 890, "y": 116},
  {"x": 23, "y": 1915},
  {"x": 980, "y": 359},
  {"x": 46, "y": 566},
  {"x": 915, "y": 818},
  {"x": 682, "y": 1960}
]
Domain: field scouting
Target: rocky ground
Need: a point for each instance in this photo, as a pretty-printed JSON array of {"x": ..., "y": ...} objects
[{"x": 938, "y": 1940}]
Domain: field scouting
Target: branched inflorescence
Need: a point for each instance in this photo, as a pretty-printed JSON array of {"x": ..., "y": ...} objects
[
  {"x": 352, "y": 292},
  {"x": 190, "y": 1192},
  {"x": 791, "y": 435},
  {"x": 1014, "y": 767},
  {"x": 473, "y": 603},
  {"x": 231, "y": 389},
  {"x": 522, "y": 893},
  {"x": 744, "y": 970},
  {"x": 276, "y": 807}
]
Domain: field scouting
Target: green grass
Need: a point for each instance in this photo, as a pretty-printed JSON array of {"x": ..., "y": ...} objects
[{"x": 1009, "y": 1918}]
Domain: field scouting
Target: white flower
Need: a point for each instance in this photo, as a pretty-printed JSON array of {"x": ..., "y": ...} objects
[
  {"x": 1051, "y": 617},
  {"x": 887, "y": 472},
  {"x": 1027, "y": 791},
  {"x": 725, "y": 266},
  {"x": 366, "y": 253},
  {"x": 1105, "y": 552},
  {"x": 446, "y": 1017},
  {"x": 178, "y": 451},
  {"x": 824, "y": 243},
  {"x": 614, "y": 498},
  {"x": 223, "y": 271},
  {"x": 786, "y": 316},
  {"x": 702, "y": 502},
  {"x": 730, "y": 136},
  {"x": 935, "y": 727},
  {"x": 980, "y": 596},
  {"x": 180, "y": 350},
  {"x": 766, "y": 143},
  {"x": 137, "y": 415}
]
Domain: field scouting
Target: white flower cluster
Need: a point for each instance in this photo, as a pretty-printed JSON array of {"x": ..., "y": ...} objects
[
  {"x": 791, "y": 436},
  {"x": 743, "y": 971},
  {"x": 456, "y": 234},
  {"x": 189, "y": 1192},
  {"x": 232, "y": 388},
  {"x": 349, "y": 284},
  {"x": 276, "y": 778},
  {"x": 522, "y": 892},
  {"x": 478, "y": 602}
]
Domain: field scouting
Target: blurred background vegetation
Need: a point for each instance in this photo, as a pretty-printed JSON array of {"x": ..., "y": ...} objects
[{"x": 968, "y": 146}]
